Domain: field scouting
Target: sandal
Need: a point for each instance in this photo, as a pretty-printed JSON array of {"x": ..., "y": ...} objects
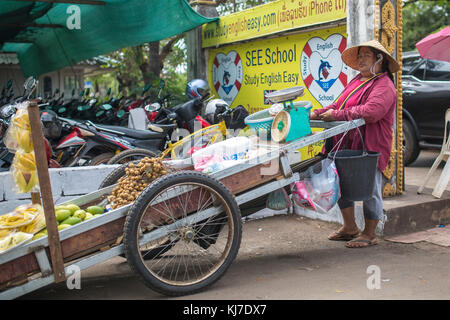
[
  {"x": 341, "y": 236},
  {"x": 367, "y": 243}
]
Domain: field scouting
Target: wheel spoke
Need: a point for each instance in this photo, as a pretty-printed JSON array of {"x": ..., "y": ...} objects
[{"x": 193, "y": 248}]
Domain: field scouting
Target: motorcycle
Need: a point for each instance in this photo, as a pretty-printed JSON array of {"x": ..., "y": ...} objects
[{"x": 86, "y": 143}]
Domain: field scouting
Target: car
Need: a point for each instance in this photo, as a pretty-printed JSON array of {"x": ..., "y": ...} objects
[{"x": 426, "y": 97}]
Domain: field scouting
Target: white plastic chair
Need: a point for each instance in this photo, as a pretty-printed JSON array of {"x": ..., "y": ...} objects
[{"x": 442, "y": 183}]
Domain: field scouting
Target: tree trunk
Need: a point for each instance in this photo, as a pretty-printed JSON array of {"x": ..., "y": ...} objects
[{"x": 155, "y": 63}]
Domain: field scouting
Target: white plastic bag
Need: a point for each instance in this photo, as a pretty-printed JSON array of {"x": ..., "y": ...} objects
[
  {"x": 318, "y": 188},
  {"x": 222, "y": 154}
]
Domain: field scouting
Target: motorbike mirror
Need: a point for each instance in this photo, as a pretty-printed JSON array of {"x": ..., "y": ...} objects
[
  {"x": 82, "y": 93},
  {"x": 8, "y": 84},
  {"x": 162, "y": 84},
  {"x": 56, "y": 90},
  {"x": 88, "y": 90},
  {"x": 29, "y": 85},
  {"x": 108, "y": 92},
  {"x": 73, "y": 92}
]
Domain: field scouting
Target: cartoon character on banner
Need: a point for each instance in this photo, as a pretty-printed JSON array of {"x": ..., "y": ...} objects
[
  {"x": 227, "y": 75},
  {"x": 323, "y": 72}
]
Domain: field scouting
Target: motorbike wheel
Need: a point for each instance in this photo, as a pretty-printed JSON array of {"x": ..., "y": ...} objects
[
  {"x": 101, "y": 159},
  {"x": 131, "y": 155}
]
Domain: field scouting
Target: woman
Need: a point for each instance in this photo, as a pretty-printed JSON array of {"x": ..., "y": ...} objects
[{"x": 371, "y": 95}]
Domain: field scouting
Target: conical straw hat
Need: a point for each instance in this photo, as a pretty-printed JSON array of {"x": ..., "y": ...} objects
[{"x": 350, "y": 55}]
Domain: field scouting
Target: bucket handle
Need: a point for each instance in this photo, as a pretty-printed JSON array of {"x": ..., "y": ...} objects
[{"x": 342, "y": 139}]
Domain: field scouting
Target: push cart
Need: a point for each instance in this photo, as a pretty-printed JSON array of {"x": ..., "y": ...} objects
[{"x": 179, "y": 236}]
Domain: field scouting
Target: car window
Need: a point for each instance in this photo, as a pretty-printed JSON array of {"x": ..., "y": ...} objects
[
  {"x": 419, "y": 72},
  {"x": 437, "y": 70},
  {"x": 409, "y": 63}
]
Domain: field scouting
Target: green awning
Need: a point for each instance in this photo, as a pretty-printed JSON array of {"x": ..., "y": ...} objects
[{"x": 38, "y": 32}]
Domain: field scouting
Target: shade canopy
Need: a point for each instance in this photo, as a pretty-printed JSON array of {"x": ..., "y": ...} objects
[
  {"x": 436, "y": 46},
  {"x": 51, "y": 34}
]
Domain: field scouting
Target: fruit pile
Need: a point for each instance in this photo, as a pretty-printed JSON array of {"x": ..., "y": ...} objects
[
  {"x": 27, "y": 222},
  {"x": 138, "y": 177},
  {"x": 18, "y": 140},
  {"x": 18, "y": 226},
  {"x": 71, "y": 214}
]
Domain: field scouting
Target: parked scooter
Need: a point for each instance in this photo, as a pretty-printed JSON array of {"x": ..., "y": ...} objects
[{"x": 86, "y": 143}]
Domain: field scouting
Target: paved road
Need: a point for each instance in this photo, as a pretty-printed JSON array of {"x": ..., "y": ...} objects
[{"x": 289, "y": 257}]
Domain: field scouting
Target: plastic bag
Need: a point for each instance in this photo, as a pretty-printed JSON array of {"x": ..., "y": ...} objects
[
  {"x": 222, "y": 154},
  {"x": 24, "y": 172},
  {"x": 13, "y": 240},
  {"x": 18, "y": 135},
  {"x": 318, "y": 188},
  {"x": 278, "y": 200},
  {"x": 23, "y": 215},
  {"x": 18, "y": 139}
]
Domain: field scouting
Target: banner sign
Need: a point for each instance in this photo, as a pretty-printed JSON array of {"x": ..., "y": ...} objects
[
  {"x": 242, "y": 74},
  {"x": 271, "y": 18}
]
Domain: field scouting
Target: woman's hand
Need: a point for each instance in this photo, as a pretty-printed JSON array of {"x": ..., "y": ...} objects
[
  {"x": 327, "y": 116},
  {"x": 314, "y": 116}
]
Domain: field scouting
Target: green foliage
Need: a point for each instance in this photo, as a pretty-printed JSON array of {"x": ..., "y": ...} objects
[
  {"x": 421, "y": 18},
  {"x": 131, "y": 70}
]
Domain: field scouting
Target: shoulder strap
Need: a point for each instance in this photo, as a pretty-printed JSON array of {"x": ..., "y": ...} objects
[{"x": 357, "y": 89}]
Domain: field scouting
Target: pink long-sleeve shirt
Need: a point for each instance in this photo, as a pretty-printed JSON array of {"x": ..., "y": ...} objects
[{"x": 375, "y": 103}]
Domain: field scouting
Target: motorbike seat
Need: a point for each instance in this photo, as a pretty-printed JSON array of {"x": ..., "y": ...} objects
[
  {"x": 134, "y": 133},
  {"x": 162, "y": 128}
]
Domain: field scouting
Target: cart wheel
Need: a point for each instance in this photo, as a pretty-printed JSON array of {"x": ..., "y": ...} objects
[
  {"x": 112, "y": 178},
  {"x": 205, "y": 247}
]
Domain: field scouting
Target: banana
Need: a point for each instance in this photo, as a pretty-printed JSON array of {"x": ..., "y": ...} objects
[
  {"x": 21, "y": 119},
  {"x": 37, "y": 225},
  {"x": 23, "y": 216},
  {"x": 13, "y": 240},
  {"x": 33, "y": 181},
  {"x": 5, "y": 232},
  {"x": 28, "y": 161},
  {"x": 26, "y": 165},
  {"x": 24, "y": 140},
  {"x": 20, "y": 180},
  {"x": 25, "y": 181},
  {"x": 24, "y": 171}
]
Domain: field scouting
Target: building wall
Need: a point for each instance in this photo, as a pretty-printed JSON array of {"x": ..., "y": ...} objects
[{"x": 58, "y": 79}]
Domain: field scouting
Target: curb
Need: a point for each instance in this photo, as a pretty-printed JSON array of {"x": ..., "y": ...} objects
[{"x": 414, "y": 212}]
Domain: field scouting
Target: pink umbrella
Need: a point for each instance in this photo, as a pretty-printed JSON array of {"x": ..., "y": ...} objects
[{"x": 436, "y": 45}]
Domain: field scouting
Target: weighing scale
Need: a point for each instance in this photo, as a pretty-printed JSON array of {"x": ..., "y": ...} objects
[{"x": 292, "y": 122}]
